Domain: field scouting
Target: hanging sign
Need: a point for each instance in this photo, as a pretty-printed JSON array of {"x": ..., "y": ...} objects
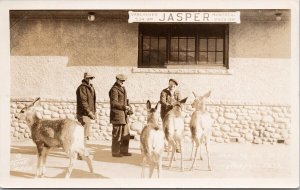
[{"x": 203, "y": 17}]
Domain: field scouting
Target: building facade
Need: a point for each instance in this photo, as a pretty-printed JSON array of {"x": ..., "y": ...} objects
[{"x": 246, "y": 65}]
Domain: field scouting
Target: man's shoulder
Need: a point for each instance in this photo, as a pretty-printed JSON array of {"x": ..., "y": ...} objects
[{"x": 165, "y": 90}]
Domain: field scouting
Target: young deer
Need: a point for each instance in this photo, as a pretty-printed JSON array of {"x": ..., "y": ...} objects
[
  {"x": 47, "y": 134},
  {"x": 173, "y": 124},
  {"x": 201, "y": 126},
  {"x": 152, "y": 142}
]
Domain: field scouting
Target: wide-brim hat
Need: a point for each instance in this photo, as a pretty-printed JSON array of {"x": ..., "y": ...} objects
[
  {"x": 175, "y": 81},
  {"x": 121, "y": 77},
  {"x": 88, "y": 75}
]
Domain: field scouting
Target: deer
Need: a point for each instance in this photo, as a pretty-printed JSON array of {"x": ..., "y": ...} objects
[
  {"x": 201, "y": 127},
  {"x": 173, "y": 125},
  {"x": 152, "y": 142},
  {"x": 47, "y": 134}
]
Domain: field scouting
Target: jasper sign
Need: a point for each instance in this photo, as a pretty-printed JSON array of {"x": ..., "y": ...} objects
[{"x": 208, "y": 17}]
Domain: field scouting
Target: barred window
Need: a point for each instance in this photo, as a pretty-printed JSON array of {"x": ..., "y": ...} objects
[{"x": 161, "y": 45}]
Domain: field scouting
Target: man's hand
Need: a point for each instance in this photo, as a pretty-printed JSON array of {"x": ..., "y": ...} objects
[
  {"x": 92, "y": 116},
  {"x": 127, "y": 108}
]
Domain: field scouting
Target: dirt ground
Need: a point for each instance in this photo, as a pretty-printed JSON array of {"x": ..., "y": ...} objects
[{"x": 230, "y": 160}]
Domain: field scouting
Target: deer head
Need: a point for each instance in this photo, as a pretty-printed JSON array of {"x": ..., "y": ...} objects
[
  {"x": 152, "y": 117},
  {"x": 29, "y": 114},
  {"x": 199, "y": 102}
]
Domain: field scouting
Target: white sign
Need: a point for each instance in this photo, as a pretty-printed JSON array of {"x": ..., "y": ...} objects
[{"x": 206, "y": 17}]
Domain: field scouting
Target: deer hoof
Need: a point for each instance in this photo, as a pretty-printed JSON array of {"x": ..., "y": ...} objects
[
  {"x": 209, "y": 168},
  {"x": 201, "y": 158}
]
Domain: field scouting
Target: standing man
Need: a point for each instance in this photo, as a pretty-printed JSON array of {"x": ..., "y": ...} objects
[
  {"x": 86, "y": 103},
  {"x": 119, "y": 111},
  {"x": 168, "y": 97}
]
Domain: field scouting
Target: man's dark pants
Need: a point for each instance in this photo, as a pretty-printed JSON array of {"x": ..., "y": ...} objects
[{"x": 120, "y": 141}]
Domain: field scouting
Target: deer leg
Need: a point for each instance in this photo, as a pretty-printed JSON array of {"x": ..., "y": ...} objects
[
  {"x": 191, "y": 157},
  {"x": 45, "y": 153},
  {"x": 38, "y": 168},
  {"x": 181, "y": 155},
  {"x": 151, "y": 169},
  {"x": 207, "y": 152},
  {"x": 159, "y": 167},
  {"x": 173, "y": 153},
  {"x": 195, "y": 155},
  {"x": 143, "y": 167},
  {"x": 72, "y": 156},
  {"x": 201, "y": 142},
  {"x": 84, "y": 153},
  {"x": 40, "y": 148}
]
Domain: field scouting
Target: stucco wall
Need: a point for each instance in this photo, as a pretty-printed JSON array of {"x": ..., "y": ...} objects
[{"x": 49, "y": 58}]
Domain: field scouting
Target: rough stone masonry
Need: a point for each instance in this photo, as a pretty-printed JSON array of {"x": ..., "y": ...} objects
[{"x": 259, "y": 124}]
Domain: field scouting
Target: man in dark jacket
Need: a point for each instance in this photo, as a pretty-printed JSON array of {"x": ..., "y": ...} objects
[
  {"x": 119, "y": 109},
  {"x": 86, "y": 103},
  {"x": 168, "y": 97}
]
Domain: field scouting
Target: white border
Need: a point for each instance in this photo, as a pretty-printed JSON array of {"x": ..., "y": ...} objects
[{"x": 6, "y": 5}]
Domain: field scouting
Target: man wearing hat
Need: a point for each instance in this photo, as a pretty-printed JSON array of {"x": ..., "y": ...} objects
[
  {"x": 86, "y": 103},
  {"x": 119, "y": 111},
  {"x": 168, "y": 97}
]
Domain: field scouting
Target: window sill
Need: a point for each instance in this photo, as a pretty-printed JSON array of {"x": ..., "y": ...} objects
[{"x": 176, "y": 70}]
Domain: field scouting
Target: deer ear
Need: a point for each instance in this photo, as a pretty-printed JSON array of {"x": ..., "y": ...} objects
[
  {"x": 183, "y": 100},
  {"x": 39, "y": 115},
  {"x": 194, "y": 94},
  {"x": 156, "y": 105},
  {"x": 207, "y": 94},
  {"x": 148, "y": 105}
]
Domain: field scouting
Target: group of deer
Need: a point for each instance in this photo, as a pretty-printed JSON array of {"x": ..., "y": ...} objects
[
  {"x": 153, "y": 135},
  {"x": 69, "y": 135}
]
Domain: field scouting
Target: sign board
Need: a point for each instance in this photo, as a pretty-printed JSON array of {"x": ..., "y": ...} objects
[{"x": 185, "y": 17}]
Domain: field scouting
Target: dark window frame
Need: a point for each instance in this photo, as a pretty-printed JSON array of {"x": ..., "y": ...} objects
[{"x": 198, "y": 31}]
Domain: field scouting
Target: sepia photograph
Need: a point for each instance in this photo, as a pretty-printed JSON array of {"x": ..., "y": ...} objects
[{"x": 185, "y": 93}]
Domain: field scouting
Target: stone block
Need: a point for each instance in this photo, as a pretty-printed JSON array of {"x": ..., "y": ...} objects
[
  {"x": 67, "y": 111},
  {"x": 47, "y": 117},
  {"x": 219, "y": 140},
  {"x": 270, "y": 129},
  {"x": 71, "y": 116},
  {"x": 53, "y": 108},
  {"x": 15, "y": 124},
  {"x": 241, "y": 140},
  {"x": 45, "y": 106},
  {"x": 55, "y": 115},
  {"x": 257, "y": 141},
  {"x": 217, "y": 133},
  {"x": 137, "y": 126},
  {"x": 103, "y": 123},
  {"x": 47, "y": 112},
  {"x": 62, "y": 116},
  {"x": 268, "y": 119},
  {"x": 276, "y": 109},
  {"x": 23, "y": 126},
  {"x": 249, "y": 137},
  {"x": 234, "y": 134},
  {"x": 230, "y": 115},
  {"x": 225, "y": 128},
  {"x": 221, "y": 120}
]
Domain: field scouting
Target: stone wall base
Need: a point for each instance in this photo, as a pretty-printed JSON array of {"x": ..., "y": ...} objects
[{"x": 259, "y": 124}]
